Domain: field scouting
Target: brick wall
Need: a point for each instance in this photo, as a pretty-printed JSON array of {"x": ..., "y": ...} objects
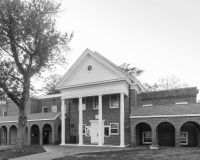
[
  {"x": 49, "y": 102},
  {"x": 168, "y": 96}
]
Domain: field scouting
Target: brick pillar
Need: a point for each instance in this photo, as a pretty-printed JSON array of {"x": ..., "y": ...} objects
[
  {"x": 154, "y": 136},
  {"x": 198, "y": 137},
  {"x": 41, "y": 136},
  {"x": 133, "y": 135},
  {"x": 133, "y": 98},
  {"x": 53, "y": 134},
  {"x": 177, "y": 137},
  {"x": 8, "y": 136}
]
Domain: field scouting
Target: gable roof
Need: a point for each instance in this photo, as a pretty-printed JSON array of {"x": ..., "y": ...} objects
[
  {"x": 130, "y": 79},
  {"x": 166, "y": 110},
  {"x": 31, "y": 117}
]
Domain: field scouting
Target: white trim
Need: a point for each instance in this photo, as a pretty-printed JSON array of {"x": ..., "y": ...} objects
[
  {"x": 181, "y": 103},
  {"x": 47, "y": 96},
  {"x": 147, "y": 105},
  {"x": 96, "y": 121},
  {"x": 43, "y": 109},
  {"x": 108, "y": 130},
  {"x": 117, "y": 100},
  {"x": 146, "y": 137},
  {"x": 114, "y": 128},
  {"x": 58, "y": 115},
  {"x": 28, "y": 120},
  {"x": 161, "y": 116},
  {"x": 185, "y": 137}
]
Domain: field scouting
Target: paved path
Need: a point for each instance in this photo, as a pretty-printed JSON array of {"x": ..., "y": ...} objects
[{"x": 56, "y": 151}]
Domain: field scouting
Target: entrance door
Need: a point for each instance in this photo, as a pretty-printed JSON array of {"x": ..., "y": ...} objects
[
  {"x": 45, "y": 137},
  {"x": 94, "y": 131}
]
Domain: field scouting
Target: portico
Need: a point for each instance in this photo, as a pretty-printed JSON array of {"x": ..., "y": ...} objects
[{"x": 98, "y": 94}]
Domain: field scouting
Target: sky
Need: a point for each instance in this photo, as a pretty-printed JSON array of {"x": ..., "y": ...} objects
[{"x": 161, "y": 37}]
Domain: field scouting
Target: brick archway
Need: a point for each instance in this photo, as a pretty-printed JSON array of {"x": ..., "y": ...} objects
[
  {"x": 190, "y": 134},
  {"x": 143, "y": 134},
  {"x": 47, "y": 134},
  {"x": 35, "y": 134},
  {"x": 166, "y": 134},
  {"x": 3, "y": 135},
  {"x": 12, "y": 135}
]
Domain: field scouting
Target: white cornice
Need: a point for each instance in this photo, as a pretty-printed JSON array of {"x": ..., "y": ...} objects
[{"x": 162, "y": 116}]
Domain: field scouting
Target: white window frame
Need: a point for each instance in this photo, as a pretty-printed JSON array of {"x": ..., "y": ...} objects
[
  {"x": 3, "y": 112},
  {"x": 4, "y": 135},
  {"x": 114, "y": 128},
  {"x": 108, "y": 130},
  {"x": 143, "y": 138},
  {"x": 44, "y": 108},
  {"x": 117, "y": 101},
  {"x": 186, "y": 138},
  {"x": 94, "y": 102},
  {"x": 84, "y": 128},
  {"x": 56, "y": 108}
]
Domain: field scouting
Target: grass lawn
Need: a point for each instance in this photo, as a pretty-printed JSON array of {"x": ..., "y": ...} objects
[
  {"x": 142, "y": 154},
  {"x": 8, "y": 154}
]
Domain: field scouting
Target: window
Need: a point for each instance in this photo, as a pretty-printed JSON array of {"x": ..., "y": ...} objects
[
  {"x": 84, "y": 125},
  {"x": 184, "y": 138},
  {"x": 96, "y": 103},
  {"x": 4, "y": 113},
  {"x": 106, "y": 131},
  {"x": 114, "y": 129},
  {"x": 72, "y": 125},
  {"x": 114, "y": 102},
  {"x": 44, "y": 109},
  {"x": 53, "y": 108},
  {"x": 83, "y": 104},
  {"x": 146, "y": 136},
  {"x": 4, "y": 135}
]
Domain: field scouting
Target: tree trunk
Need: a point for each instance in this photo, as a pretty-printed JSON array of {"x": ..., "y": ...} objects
[{"x": 21, "y": 129}]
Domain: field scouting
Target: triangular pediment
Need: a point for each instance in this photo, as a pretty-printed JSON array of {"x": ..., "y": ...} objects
[{"x": 89, "y": 69}]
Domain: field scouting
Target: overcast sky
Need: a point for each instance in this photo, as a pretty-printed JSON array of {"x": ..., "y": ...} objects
[{"x": 161, "y": 37}]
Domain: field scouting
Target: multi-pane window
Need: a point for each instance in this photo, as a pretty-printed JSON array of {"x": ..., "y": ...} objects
[
  {"x": 106, "y": 131},
  {"x": 84, "y": 129},
  {"x": 183, "y": 138},
  {"x": 114, "y": 102},
  {"x": 146, "y": 137},
  {"x": 44, "y": 109},
  {"x": 53, "y": 108},
  {"x": 114, "y": 128},
  {"x": 96, "y": 102},
  {"x": 84, "y": 103}
]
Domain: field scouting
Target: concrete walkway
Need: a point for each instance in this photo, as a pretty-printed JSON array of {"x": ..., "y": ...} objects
[{"x": 56, "y": 151}]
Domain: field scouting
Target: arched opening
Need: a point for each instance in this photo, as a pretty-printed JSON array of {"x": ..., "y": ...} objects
[
  {"x": 143, "y": 134},
  {"x": 13, "y": 135},
  {"x": 59, "y": 134},
  {"x": 166, "y": 134},
  {"x": 47, "y": 134},
  {"x": 189, "y": 133},
  {"x": 35, "y": 135},
  {"x": 3, "y": 131}
]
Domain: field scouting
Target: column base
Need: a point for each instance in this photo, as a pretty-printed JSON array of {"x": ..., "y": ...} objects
[
  {"x": 80, "y": 144},
  {"x": 122, "y": 145},
  {"x": 62, "y": 144},
  {"x": 100, "y": 144}
]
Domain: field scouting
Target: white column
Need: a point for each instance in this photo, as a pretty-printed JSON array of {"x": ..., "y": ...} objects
[
  {"x": 80, "y": 121},
  {"x": 100, "y": 121},
  {"x": 63, "y": 122},
  {"x": 122, "y": 144}
]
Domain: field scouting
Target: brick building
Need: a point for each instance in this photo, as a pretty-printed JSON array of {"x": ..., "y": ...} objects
[{"x": 103, "y": 105}]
